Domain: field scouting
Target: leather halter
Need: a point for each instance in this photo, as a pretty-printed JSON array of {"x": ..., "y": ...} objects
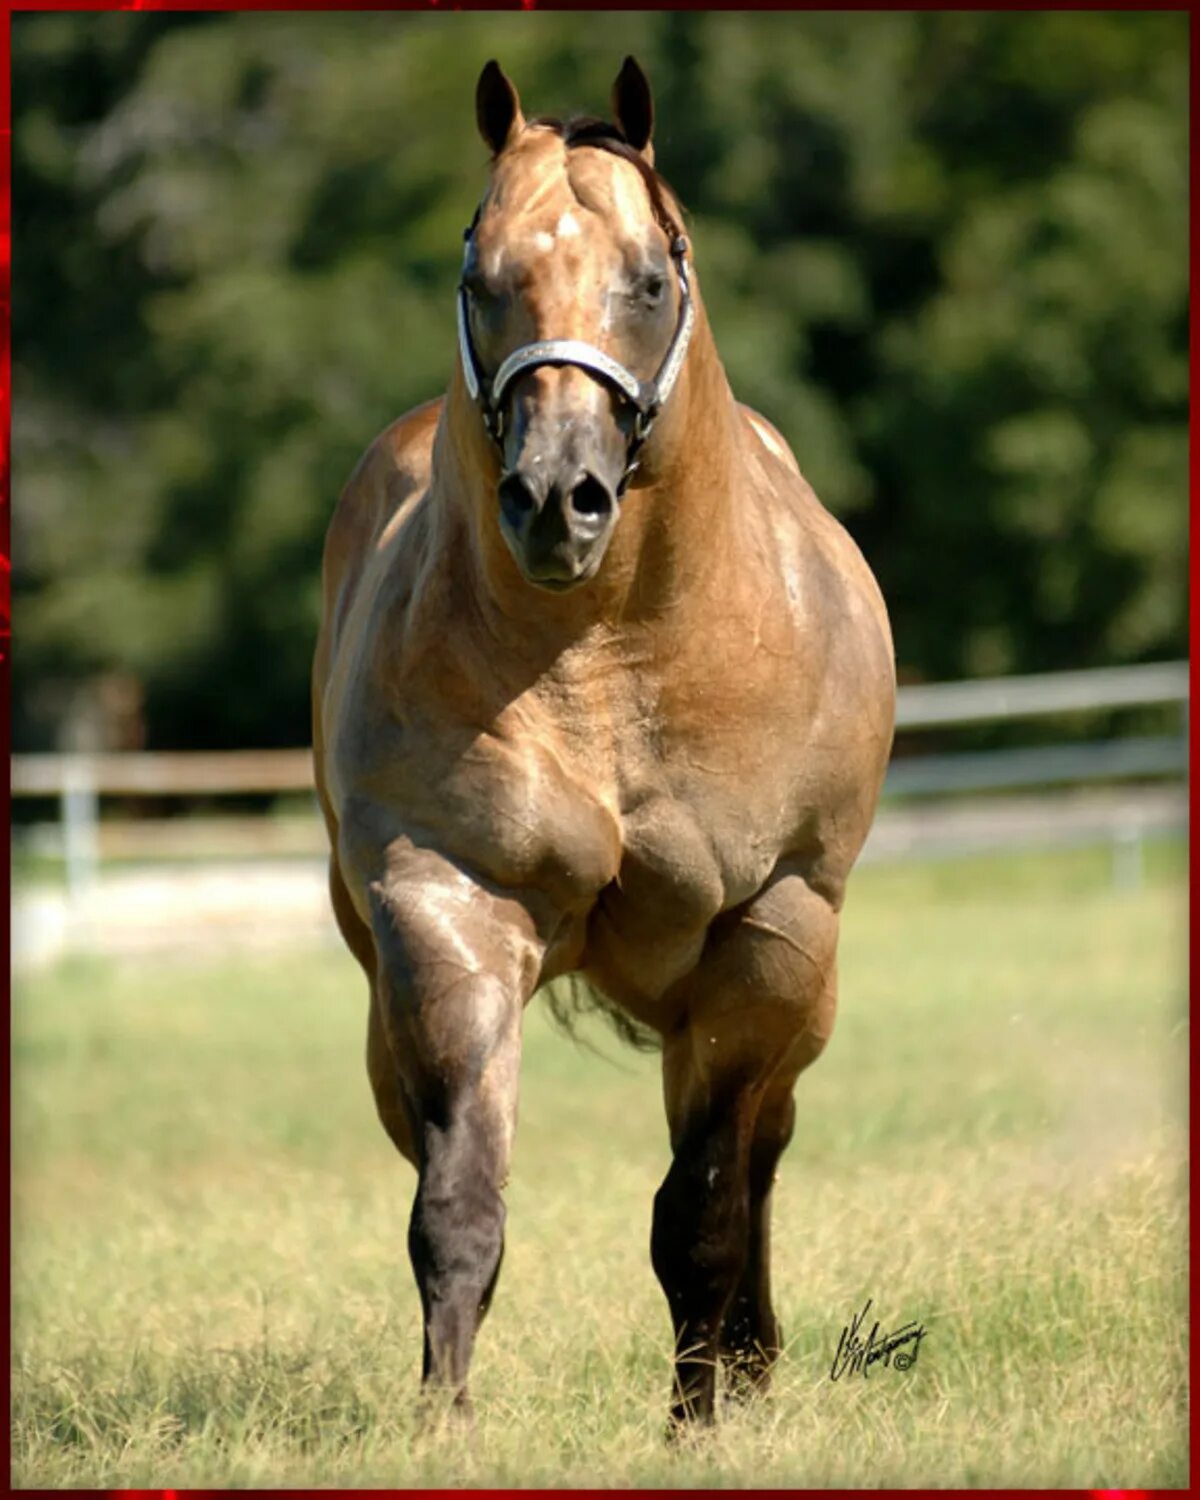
[{"x": 646, "y": 397}]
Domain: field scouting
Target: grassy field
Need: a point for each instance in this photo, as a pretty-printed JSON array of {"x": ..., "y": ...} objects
[{"x": 211, "y": 1286}]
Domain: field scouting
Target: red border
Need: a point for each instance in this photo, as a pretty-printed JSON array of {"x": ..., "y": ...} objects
[
  {"x": 5, "y": 593},
  {"x": 6, "y": 11},
  {"x": 1193, "y": 633},
  {"x": 615, "y": 5}
]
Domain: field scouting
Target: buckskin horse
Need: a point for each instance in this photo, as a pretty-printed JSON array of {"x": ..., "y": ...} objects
[{"x": 601, "y": 689}]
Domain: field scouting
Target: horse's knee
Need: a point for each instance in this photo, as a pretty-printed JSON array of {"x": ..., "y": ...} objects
[
  {"x": 456, "y": 1236},
  {"x": 697, "y": 1238},
  {"x": 698, "y": 1248},
  {"x": 456, "y": 966},
  {"x": 701, "y": 1211}
]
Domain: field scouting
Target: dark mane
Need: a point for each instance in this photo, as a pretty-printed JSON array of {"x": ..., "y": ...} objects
[{"x": 588, "y": 130}]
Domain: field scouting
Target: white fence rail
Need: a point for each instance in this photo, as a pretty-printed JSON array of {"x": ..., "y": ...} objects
[
  {"x": 79, "y": 781},
  {"x": 992, "y": 698}
]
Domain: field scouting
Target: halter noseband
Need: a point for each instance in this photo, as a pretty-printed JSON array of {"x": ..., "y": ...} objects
[{"x": 646, "y": 397}]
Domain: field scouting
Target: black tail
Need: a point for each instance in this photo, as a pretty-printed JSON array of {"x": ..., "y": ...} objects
[{"x": 570, "y": 998}]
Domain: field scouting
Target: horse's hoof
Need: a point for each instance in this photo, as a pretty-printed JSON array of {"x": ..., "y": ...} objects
[
  {"x": 686, "y": 1428},
  {"x": 445, "y": 1412},
  {"x": 749, "y": 1378}
]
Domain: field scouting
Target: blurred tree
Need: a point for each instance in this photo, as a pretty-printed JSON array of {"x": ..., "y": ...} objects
[{"x": 946, "y": 252}]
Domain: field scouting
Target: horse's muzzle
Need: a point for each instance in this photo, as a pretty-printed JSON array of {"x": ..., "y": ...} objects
[{"x": 556, "y": 531}]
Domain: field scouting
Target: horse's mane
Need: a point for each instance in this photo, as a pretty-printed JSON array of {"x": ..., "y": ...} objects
[{"x": 588, "y": 130}]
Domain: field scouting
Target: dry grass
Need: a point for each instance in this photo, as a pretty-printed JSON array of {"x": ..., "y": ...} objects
[{"x": 211, "y": 1289}]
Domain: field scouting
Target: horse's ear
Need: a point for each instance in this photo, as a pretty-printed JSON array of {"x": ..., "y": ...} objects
[
  {"x": 497, "y": 108},
  {"x": 633, "y": 107}
]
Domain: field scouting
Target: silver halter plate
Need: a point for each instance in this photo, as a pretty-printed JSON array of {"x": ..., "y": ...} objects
[{"x": 647, "y": 397}]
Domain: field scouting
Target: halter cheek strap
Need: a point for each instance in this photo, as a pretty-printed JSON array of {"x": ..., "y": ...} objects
[{"x": 646, "y": 397}]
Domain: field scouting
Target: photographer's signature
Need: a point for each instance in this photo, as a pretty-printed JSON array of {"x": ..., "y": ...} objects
[{"x": 855, "y": 1355}]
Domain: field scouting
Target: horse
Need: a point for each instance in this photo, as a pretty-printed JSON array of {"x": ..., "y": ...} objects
[{"x": 600, "y": 690}]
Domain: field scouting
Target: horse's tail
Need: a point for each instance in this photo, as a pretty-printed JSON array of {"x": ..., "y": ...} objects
[{"x": 572, "y": 997}]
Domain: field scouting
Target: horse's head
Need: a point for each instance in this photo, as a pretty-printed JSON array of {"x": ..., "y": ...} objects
[{"x": 574, "y": 317}]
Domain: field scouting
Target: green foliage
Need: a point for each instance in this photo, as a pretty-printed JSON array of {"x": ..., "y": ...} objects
[{"x": 945, "y": 252}]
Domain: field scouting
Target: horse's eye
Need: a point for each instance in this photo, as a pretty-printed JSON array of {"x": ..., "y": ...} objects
[
  {"x": 652, "y": 289},
  {"x": 482, "y": 290}
]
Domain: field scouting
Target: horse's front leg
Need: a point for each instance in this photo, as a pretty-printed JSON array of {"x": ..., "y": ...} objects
[
  {"x": 457, "y": 964},
  {"x": 698, "y": 1241},
  {"x": 759, "y": 1010},
  {"x": 751, "y": 1338}
]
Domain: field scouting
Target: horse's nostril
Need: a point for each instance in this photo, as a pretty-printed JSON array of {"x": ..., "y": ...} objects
[
  {"x": 591, "y": 498},
  {"x": 516, "y": 499}
]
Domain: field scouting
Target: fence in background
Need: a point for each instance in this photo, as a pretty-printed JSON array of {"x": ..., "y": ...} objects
[{"x": 79, "y": 781}]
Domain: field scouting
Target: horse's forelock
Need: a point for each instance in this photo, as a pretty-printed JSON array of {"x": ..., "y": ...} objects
[{"x": 590, "y": 130}]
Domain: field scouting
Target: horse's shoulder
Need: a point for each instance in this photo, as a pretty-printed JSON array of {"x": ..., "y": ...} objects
[
  {"x": 394, "y": 466},
  {"x": 769, "y": 437},
  {"x": 408, "y": 441},
  {"x": 794, "y": 512},
  {"x": 849, "y": 576},
  {"x": 384, "y": 484},
  {"x": 825, "y": 585},
  {"x": 810, "y": 539}
]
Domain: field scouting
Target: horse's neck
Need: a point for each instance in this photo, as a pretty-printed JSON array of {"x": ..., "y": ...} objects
[{"x": 676, "y": 528}]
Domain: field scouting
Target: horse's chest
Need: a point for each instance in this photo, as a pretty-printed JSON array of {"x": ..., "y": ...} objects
[
  {"x": 649, "y": 925},
  {"x": 525, "y": 822},
  {"x": 637, "y": 885},
  {"x": 669, "y": 869}
]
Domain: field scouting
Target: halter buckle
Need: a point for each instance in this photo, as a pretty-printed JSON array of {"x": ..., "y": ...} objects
[{"x": 643, "y": 420}]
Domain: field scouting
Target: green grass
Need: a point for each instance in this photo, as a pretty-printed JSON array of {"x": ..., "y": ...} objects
[{"x": 211, "y": 1287}]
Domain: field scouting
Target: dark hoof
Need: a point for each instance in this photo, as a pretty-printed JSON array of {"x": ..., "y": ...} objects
[
  {"x": 687, "y": 1427},
  {"x": 749, "y": 1374}
]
